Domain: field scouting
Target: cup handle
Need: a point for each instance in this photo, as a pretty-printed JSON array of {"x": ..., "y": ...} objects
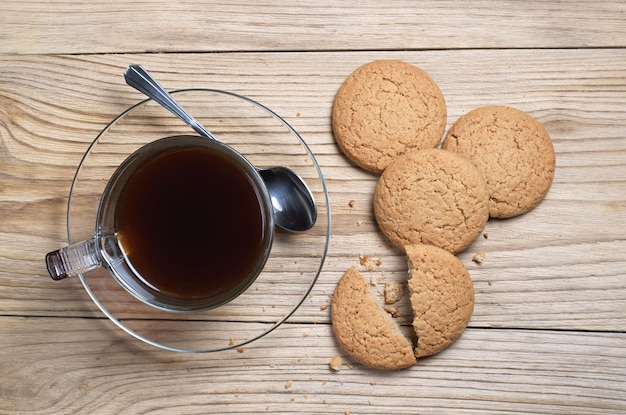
[{"x": 73, "y": 260}]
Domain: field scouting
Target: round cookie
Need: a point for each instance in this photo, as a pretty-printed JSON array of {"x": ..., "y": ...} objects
[
  {"x": 384, "y": 109},
  {"x": 442, "y": 297},
  {"x": 433, "y": 197},
  {"x": 366, "y": 331},
  {"x": 513, "y": 152}
]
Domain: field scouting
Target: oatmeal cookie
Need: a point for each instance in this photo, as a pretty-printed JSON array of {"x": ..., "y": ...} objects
[
  {"x": 384, "y": 109},
  {"x": 364, "y": 329},
  {"x": 442, "y": 297},
  {"x": 432, "y": 197},
  {"x": 514, "y": 153}
]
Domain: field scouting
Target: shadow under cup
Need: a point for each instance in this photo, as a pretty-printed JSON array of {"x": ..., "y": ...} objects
[{"x": 185, "y": 224}]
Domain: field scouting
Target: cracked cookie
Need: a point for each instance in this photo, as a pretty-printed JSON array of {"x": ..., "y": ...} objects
[
  {"x": 366, "y": 331},
  {"x": 384, "y": 109},
  {"x": 441, "y": 295},
  {"x": 512, "y": 150},
  {"x": 433, "y": 197}
]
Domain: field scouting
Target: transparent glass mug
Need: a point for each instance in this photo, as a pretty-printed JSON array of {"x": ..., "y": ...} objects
[{"x": 184, "y": 224}]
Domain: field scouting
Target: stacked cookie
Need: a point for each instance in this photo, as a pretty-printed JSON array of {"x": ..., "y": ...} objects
[{"x": 430, "y": 201}]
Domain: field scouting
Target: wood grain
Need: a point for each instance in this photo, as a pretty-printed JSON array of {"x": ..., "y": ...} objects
[
  {"x": 74, "y": 26},
  {"x": 547, "y": 269},
  {"x": 484, "y": 372},
  {"x": 547, "y": 334}
]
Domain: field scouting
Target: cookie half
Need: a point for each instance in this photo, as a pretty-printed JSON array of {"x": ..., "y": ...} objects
[
  {"x": 384, "y": 109},
  {"x": 512, "y": 150},
  {"x": 442, "y": 297},
  {"x": 366, "y": 331},
  {"x": 433, "y": 197}
]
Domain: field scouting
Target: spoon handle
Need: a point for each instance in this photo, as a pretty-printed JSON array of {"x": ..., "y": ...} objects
[{"x": 142, "y": 81}]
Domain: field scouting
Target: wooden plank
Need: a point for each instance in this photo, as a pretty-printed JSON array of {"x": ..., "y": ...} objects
[
  {"x": 548, "y": 332},
  {"x": 74, "y": 26},
  {"x": 560, "y": 266},
  {"x": 87, "y": 366}
]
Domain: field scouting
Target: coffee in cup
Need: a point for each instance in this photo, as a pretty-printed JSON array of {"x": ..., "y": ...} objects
[{"x": 184, "y": 224}]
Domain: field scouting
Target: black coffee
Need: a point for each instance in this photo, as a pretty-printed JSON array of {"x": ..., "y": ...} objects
[{"x": 191, "y": 223}]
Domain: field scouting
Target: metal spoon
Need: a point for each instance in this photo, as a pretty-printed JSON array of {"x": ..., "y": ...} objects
[{"x": 294, "y": 207}]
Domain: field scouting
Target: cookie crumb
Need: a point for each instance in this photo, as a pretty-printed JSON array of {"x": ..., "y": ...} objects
[
  {"x": 359, "y": 222},
  {"x": 351, "y": 203},
  {"x": 240, "y": 350},
  {"x": 323, "y": 307},
  {"x": 393, "y": 292},
  {"x": 373, "y": 382},
  {"x": 335, "y": 363},
  {"x": 288, "y": 384},
  {"x": 368, "y": 262},
  {"x": 490, "y": 282},
  {"x": 486, "y": 235},
  {"x": 374, "y": 280},
  {"x": 231, "y": 342},
  {"x": 479, "y": 258},
  {"x": 392, "y": 310}
]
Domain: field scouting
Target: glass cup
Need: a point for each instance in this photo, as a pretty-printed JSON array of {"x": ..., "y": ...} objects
[{"x": 184, "y": 224}]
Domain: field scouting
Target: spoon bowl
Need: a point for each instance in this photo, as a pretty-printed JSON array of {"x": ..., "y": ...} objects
[
  {"x": 289, "y": 193},
  {"x": 292, "y": 201}
]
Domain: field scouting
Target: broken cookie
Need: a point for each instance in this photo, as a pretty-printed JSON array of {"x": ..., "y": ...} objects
[
  {"x": 442, "y": 297},
  {"x": 364, "y": 329}
]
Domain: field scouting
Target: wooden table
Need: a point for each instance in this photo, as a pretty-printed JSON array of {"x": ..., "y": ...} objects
[{"x": 548, "y": 334}]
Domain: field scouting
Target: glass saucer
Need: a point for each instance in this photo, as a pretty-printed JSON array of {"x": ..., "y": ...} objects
[{"x": 295, "y": 261}]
